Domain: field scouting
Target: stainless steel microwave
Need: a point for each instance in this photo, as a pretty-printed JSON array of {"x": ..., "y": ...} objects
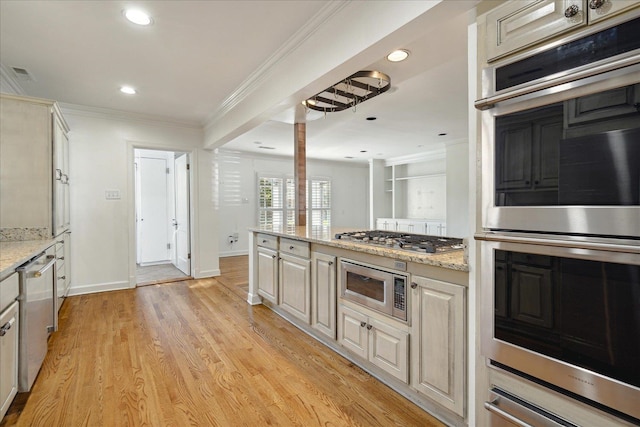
[
  {"x": 566, "y": 315},
  {"x": 561, "y": 137},
  {"x": 379, "y": 289}
]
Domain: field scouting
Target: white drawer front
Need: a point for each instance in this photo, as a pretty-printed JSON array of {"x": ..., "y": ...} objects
[
  {"x": 9, "y": 289},
  {"x": 294, "y": 247},
  {"x": 267, "y": 241}
]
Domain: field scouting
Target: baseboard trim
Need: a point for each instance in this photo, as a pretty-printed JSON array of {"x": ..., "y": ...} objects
[
  {"x": 207, "y": 273},
  {"x": 233, "y": 253},
  {"x": 98, "y": 287}
]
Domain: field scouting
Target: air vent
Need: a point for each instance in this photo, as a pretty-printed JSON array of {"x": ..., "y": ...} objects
[{"x": 22, "y": 74}]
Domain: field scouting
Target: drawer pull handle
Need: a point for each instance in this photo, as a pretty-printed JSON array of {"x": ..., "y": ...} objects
[
  {"x": 596, "y": 4},
  {"x": 62, "y": 277},
  {"x": 369, "y": 327},
  {"x": 571, "y": 11},
  {"x": 363, "y": 324},
  {"x": 61, "y": 258},
  {"x": 264, "y": 241},
  {"x": 414, "y": 285},
  {"x": 273, "y": 256},
  {"x": 291, "y": 247},
  {"x": 5, "y": 328}
]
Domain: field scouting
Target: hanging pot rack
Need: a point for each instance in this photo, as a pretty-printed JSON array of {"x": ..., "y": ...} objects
[{"x": 350, "y": 92}]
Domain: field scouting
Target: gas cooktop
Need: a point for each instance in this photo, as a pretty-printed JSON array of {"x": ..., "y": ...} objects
[{"x": 409, "y": 242}]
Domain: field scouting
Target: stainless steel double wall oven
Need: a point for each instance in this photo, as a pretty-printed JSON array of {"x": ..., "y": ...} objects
[{"x": 560, "y": 247}]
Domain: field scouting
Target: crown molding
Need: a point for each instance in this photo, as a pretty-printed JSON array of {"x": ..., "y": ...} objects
[
  {"x": 265, "y": 70},
  {"x": 8, "y": 78},
  {"x": 119, "y": 115}
]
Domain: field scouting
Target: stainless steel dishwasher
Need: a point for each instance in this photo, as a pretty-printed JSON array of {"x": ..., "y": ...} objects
[{"x": 38, "y": 315}]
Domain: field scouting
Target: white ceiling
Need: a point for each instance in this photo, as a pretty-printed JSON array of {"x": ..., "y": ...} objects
[{"x": 197, "y": 53}]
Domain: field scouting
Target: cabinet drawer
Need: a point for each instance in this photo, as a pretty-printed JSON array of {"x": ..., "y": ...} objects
[
  {"x": 294, "y": 247},
  {"x": 267, "y": 241},
  {"x": 9, "y": 289}
]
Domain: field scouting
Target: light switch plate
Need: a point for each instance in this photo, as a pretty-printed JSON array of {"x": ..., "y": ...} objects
[{"x": 112, "y": 194}]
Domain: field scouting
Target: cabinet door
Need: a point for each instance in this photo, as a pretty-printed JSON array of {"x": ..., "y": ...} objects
[
  {"x": 609, "y": 8},
  {"x": 25, "y": 161},
  {"x": 519, "y": 24},
  {"x": 352, "y": 331},
  {"x": 438, "y": 350},
  {"x": 8, "y": 357},
  {"x": 268, "y": 274},
  {"x": 323, "y": 294},
  {"x": 295, "y": 286},
  {"x": 59, "y": 173},
  {"x": 389, "y": 349}
]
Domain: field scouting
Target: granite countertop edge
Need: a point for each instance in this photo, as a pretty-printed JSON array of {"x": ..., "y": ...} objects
[
  {"x": 14, "y": 254},
  {"x": 450, "y": 260}
]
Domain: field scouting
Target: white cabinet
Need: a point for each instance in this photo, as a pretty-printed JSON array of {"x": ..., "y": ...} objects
[
  {"x": 323, "y": 294},
  {"x": 34, "y": 163},
  {"x": 63, "y": 267},
  {"x": 379, "y": 343},
  {"x": 419, "y": 226},
  {"x": 438, "y": 342},
  {"x": 516, "y": 25},
  {"x": 268, "y": 274},
  {"x": 8, "y": 342},
  {"x": 295, "y": 279}
]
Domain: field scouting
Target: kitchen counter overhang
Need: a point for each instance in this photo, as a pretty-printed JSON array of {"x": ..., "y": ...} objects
[{"x": 14, "y": 254}]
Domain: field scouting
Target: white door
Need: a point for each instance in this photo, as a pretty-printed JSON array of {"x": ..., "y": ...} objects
[
  {"x": 181, "y": 222},
  {"x": 154, "y": 235}
]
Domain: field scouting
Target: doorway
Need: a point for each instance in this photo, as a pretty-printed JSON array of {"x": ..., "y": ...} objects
[{"x": 162, "y": 206}]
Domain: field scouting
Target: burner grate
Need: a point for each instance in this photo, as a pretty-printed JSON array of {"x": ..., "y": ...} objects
[{"x": 410, "y": 242}]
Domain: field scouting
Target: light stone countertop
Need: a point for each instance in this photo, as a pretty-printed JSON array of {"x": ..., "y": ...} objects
[
  {"x": 14, "y": 254},
  {"x": 453, "y": 260}
]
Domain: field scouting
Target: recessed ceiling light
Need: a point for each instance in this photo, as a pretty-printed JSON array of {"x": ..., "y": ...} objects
[
  {"x": 348, "y": 157},
  {"x": 442, "y": 134},
  {"x": 264, "y": 147},
  {"x": 363, "y": 151},
  {"x": 128, "y": 90},
  {"x": 257, "y": 142},
  {"x": 398, "y": 55},
  {"x": 372, "y": 118},
  {"x": 137, "y": 16}
]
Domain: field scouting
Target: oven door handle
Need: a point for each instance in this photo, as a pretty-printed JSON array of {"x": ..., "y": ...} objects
[
  {"x": 491, "y": 101},
  {"x": 490, "y": 406},
  {"x": 534, "y": 414}
]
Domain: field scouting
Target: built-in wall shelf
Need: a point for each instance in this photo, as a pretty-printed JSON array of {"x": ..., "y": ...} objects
[{"x": 404, "y": 178}]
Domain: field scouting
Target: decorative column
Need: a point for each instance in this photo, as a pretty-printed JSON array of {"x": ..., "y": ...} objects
[{"x": 300, "y": 156}]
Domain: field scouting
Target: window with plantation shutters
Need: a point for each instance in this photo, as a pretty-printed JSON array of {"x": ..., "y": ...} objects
[
  {"x": 320, "y": 202},
  {"x": 277, "y": 202},
  {"x": 270, "y": 201}
]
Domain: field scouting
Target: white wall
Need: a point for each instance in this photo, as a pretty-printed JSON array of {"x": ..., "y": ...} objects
[
  {"x": 237, "y": 201},
  {"x": 101, "y": 158},
  {"x": 458, "y": 190}
]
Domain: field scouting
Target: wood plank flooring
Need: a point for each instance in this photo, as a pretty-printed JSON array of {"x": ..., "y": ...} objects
[{"x": 194, "y": 353}]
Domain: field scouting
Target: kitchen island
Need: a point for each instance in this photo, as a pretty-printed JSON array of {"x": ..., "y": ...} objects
[{"x": 398, "y": 314}]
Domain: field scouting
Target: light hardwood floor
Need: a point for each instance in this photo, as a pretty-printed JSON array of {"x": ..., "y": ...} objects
[{"x": 195, "y": 353}]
